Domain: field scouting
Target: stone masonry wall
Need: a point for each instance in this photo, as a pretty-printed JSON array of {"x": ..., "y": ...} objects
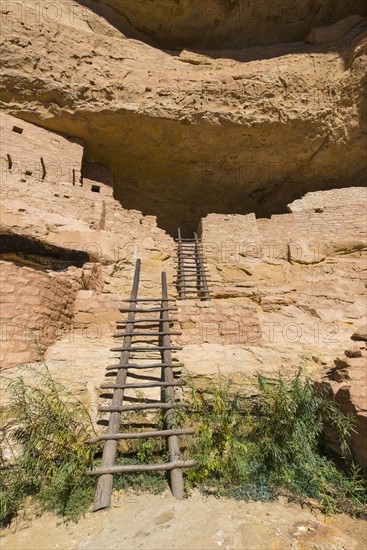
[
  {"x": 85, "y": 218},
  {"x": 35, "y": 307},
  {"x": 305, "y": 236},
  {"x": 332, "y": 197},
  {"x": 30, "y": 154}
]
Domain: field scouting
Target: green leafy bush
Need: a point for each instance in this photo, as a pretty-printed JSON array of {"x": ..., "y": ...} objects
[
  {"x": 246, "y": 448},
  {"x": 45, "y": 427},
  {"x": 270, "y": 444}
]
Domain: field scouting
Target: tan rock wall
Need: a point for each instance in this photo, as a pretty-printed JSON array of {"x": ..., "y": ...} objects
[
  {"x": 186, "y": 133},
  {"x": 216, "y": 322},
  {"x": 215, "y": 24},
  {"x": 35, "y": 307},
  {"x": 305, "y": 236},
  {"x": 346, "y": 384},
  {"x": 332, "y": 197},
  {"x": 31, "y": 154}
]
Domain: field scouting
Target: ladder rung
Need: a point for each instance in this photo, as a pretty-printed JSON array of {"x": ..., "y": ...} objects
[
  {"x": 152, "y": 348},
  {"x": 142, "y": 467},
  {"x": 191, "y": 278},
  {"x": 182, "y": 284},
  {"x": 199, "y": 287},
  {"x": 190, "y": 284},
  {"x": 188, "y": 295},
  {"x": 197, "y": 270},
  {"x": 144, "y": 385},
  {"x": 196, "y": 297},
  {"x": 149, "y": 300},
  {"x": 148, "y": 366},
  {"x": 171, "y": 333},
  {"x": 146, "y": 321},
  {"x": 143, "y": 406},
  {"x": 142, "y": 435},
  {"x": 192, "y": 253},
  {"x": 186, "y": 240},
  {"x": 193, "y": 291},
  {"x": 194, "y": 274},
  {"x": 151, "y": 310}
]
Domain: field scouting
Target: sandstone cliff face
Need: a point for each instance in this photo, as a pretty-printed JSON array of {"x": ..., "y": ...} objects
[
  {"x": 187, "y": 133},
  {"x": 62, "y": 235},
  {"x": 346, "y": 384},
  {"x": 183, "y": 135},
  {"x": 214, "y": 24}
]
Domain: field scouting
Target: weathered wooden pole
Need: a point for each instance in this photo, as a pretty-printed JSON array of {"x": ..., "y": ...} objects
[
  {"x": 105, "y": 482},
  {"x": 177, "y": 483}
]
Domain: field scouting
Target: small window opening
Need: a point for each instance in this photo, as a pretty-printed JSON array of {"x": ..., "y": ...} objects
[
  {"x": 95, "y": 188},
  {"x": 17, "y": 130}
]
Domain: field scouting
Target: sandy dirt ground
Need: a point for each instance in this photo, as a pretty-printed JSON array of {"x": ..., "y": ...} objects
[{"x": 160, "y": 522}]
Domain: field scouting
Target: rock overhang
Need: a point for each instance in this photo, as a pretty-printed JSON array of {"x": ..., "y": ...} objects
[{"x": 187, "y": 134}]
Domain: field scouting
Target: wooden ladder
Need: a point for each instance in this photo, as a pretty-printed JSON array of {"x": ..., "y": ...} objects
[
  {"x": 192, "y": 280},
  {"x": 156, "y": 323}
]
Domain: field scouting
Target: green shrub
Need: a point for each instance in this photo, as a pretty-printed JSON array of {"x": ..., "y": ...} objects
[
  {"x": 46, "y": 428},
  {"x": 270, "y": 444},
  {"x": 246, "y": 448}
]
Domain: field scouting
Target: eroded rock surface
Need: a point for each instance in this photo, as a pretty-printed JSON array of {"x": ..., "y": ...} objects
[
  {"x": 63, "y": 235},
  {"x": 245, "y": 130},
  {"x": 214, "y": 24},
  {"x": 346, "y": 384},
  {"x": 132, "y": 140}
]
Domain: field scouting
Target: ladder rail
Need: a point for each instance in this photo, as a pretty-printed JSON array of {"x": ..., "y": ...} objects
[
  {"x": 181, "y": 268},
  {"x": 176, "y": 475},
  {"x": 105, "y": 481},
  {"x": 203, "y": 277},
  {"x": 191, "y": 269},
  {"x": 161, "y": 332}
]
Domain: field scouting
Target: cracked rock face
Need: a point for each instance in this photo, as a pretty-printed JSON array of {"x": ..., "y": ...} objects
[
  {"x": 345, "y": 383},
  {"x": 192, "y": 133}
]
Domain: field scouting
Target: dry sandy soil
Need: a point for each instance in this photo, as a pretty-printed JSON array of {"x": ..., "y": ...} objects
[{"x": 161, "y": 522}]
